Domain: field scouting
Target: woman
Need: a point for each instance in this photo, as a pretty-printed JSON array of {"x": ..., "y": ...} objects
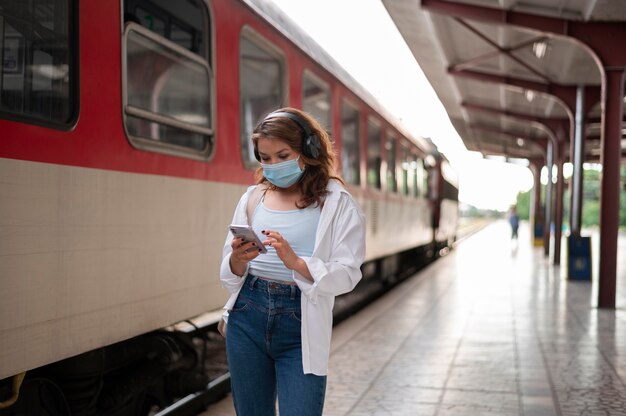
[{"x": 280, "y": 309}]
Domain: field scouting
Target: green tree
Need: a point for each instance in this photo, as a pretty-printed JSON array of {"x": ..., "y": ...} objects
[
  {"x": 591, "y": 200},
  {"x": 591, "y": 213},
  {"x": 523, "y": 205}
]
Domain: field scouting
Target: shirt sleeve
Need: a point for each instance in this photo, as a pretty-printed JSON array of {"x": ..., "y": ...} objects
[
  {"x": 341, "y": 273},
  {"x": 230, "y": 281}
]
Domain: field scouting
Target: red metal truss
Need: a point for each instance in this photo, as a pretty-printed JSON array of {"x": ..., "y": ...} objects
[
  {"x": 603, "y": 41},
  {"x": 558, "y": 126},
  {"x": 597, "y": 37},
  {"x": 540, "y": 141},
  {"x": 565, "y": 94},
  {"x": 559, "y": 129},
  {"x": 499, "y": 51}
]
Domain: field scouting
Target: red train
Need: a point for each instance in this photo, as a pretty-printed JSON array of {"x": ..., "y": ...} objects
[{"x": 124, "y": 147}]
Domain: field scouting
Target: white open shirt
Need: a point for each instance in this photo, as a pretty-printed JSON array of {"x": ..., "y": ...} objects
[{"x": 335, "y": 266}]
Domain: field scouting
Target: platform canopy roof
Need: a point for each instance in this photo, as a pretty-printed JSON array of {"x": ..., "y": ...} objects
[{"x": 505, "y": 70}]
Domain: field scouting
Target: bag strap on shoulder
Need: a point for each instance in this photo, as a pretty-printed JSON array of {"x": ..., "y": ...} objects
[{"x": 254, "y": 200}]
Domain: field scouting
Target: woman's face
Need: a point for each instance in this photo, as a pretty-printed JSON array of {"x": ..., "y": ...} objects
[{"x": 273, "y": 150}]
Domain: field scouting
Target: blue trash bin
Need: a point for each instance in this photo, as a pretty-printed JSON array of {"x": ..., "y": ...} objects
[
  {"x": 578, "y": 257},
  {"x": 538, "y": 234}
]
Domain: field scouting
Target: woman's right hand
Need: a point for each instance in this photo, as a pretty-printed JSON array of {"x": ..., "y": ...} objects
[{"x": 243, "y": 253}]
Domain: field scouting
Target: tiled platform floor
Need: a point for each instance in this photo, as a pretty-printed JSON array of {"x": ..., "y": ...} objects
[{"x": 491, "y": 329}]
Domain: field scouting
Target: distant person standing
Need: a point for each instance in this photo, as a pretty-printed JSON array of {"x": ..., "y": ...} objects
[{"x": 514, "y": 221}]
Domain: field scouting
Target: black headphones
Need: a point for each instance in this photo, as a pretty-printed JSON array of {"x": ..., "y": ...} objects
[{"x": 311, "y": 143}]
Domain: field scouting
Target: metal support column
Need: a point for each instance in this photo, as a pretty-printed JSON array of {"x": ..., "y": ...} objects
[
  {"x": 536, "y": 214},
  {"x": 612, "y": 108},
  {"x": 578, "y": 151},
  {"x": 558, "y": 217},
  {"x": 578, "y": 247},
  {"x": 548, "y": 205}
]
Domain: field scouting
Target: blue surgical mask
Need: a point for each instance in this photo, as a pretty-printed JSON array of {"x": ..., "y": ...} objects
[{"x": 283, "y": 174}]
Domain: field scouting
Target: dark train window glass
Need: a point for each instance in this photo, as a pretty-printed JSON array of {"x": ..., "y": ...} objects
[
  {"x": 390, "y": 147},
  {"x": 425, "y": 175},
  {"x": 149, "y": 20},
  {"x": 316, "y": 99},
  {"x": 405, "y": 165},
  {"x": 350, "y": 149},
  {"x": 417, "y": 176},
  {"x": 182, "y": 22},
  {"x": 38, "y": 73},
  {"x": 168, "y": 82},
  {"x": 261, "y": 87},
  {"x": 373, "y": 154},
  {"x": 182, "y": 37},
  {"x": 433, "y": 180}
]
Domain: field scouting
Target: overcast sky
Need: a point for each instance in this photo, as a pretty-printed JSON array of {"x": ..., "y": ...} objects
[{"x": 360, "y": 35}]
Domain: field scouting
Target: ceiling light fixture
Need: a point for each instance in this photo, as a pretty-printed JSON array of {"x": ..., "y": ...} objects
[
  {"x": 540, "y": 49},
  {"x": 530, "y": 95}
]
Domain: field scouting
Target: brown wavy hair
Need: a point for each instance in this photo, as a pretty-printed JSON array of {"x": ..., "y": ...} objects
[{"x": 317, "y": 172}]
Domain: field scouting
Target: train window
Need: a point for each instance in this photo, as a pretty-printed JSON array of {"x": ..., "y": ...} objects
[
  {"x": 405, "y": 165},
  {"x": 417, "y": 176},
  {"x": 425, "y": 179},
  {"x": 390, "y": 146},
  {"x": 261, "y": 87},
  {"x": 316, "y": 99},
  {"x": 373, "y": 154},
  {"x": 167, "y": 79},
  {"x": 350, "y": 149},
  {"x": 184, "y": 23},
  {"x": 38, "y": 81}
]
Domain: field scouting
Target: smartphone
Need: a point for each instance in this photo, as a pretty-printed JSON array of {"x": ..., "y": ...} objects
[{"x": 247, "y": 233}]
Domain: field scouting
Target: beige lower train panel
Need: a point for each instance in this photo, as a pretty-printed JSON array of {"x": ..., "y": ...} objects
[
  {"x": 395, "y": 225},
  {"x": 449, "y": 221},
  {"x": 91, "y": 257}
]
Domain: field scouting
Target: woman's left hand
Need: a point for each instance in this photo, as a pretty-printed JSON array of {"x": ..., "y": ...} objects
[{"x": 285, "y": 253}]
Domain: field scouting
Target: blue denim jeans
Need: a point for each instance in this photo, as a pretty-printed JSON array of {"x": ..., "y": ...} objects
[{"x": 264, "y": 350}]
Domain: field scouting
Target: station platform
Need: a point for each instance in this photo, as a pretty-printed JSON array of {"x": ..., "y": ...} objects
[{"x": 490, "y": 329}]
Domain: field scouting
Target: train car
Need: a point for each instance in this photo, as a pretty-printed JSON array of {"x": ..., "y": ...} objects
[
  {"x": 124, "y": 147},
  {"x": 444, "y": 194}
]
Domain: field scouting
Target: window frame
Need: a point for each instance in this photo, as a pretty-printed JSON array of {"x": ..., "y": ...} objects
[
  {"x": 312, "y": 76},
  {"x": 391, "y": 137},
  {"x": 406, "y": 153},
  {"x": 417, "y": 175},
  {"x": 356, "y": 107},
  {"x": 150, "y": 145},
  {"x": 74, "y": 76},
  {"x": 268, "y": 46},
  {"x": 371, "y": 120}
]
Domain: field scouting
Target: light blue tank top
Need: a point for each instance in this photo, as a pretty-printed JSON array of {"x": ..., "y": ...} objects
[{"x": 297, "y": 226}]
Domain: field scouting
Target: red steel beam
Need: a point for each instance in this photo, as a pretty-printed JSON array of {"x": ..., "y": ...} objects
[
  {"x": 610, "y": 189},
  {"x": 491, "y": 15},
  {"x": 599, "y": 38},
  {"x": 597, "y": 158},
  {"x": 566, "y": 94},
  {"x": 553, "y": 123},
  {"x": 598, "y": 136},
  {"x": 598, "y": 120},
  {"x": 540, "y": 141}
]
